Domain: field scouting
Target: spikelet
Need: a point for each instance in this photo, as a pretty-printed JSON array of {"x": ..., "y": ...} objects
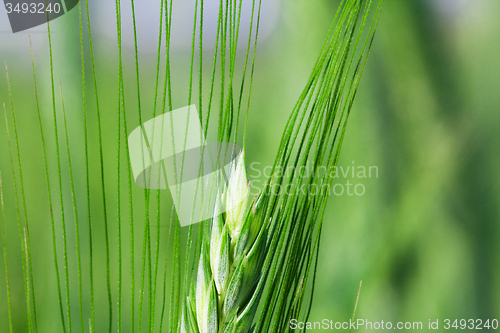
[{"x": 230, "y": 264}]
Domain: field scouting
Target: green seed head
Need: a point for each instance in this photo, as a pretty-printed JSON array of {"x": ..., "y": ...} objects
[{"x": 230, "y": 263}]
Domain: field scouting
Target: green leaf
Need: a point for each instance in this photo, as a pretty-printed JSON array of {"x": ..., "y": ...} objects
[
  {"x": 212, "y": 323},
  {"x": 229, "y": 327},
  {"x": 188, "y": 321},
  {"x": 233, "y": 295},
  {"x": 244, "y": 321},
  {"x": 202, "y": 289},
  {"x": 252, "y": 226},
  {"x": 219, "y": 259}
]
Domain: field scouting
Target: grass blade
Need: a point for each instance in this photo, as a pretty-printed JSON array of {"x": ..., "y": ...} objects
[
  {"x": 49, "y": 192},
  {"x": 75, "y": 211},
  {"x": 27, "y": 267},
  {"x": 6, "y": 261}
]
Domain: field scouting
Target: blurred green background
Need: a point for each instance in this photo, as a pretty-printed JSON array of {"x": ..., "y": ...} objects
[{"x": 424, "y": 238}]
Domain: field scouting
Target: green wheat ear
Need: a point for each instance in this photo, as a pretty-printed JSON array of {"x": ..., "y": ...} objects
[
  {"x": 263, "y": 256},
  {"x": 225, "y": 291}
]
